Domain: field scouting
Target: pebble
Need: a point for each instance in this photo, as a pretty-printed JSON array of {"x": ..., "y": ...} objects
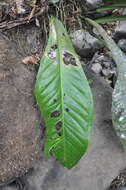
[
  {"x": 122, "y": 44},
  {"x": 97, "y": 68}
]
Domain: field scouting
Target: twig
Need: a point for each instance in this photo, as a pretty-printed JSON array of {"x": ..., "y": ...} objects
[
  {"x": 11, "y": 24},
  {"x": 32, "y": 12}
]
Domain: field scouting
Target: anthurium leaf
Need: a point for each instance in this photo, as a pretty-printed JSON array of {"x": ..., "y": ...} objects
[
  {"x": 119, "y": 93},
  {"x": 111, "y": 7},
  {"x": 111, "y": 19},
  {"x": 64, "y": 98}
]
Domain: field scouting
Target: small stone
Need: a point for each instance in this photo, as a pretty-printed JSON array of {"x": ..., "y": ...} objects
[
  {"x": 122, "y": 44},
  {"x": 106, "y": 64},
  {"x": 107, "y": 73},
  {"x": 96, "y": 68},
  {"x": 93, "y": 4},
  {"x": 100, "y": 58}
]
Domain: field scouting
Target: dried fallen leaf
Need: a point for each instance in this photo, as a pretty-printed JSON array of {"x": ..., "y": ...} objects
[{"x": 30, "y": 60}]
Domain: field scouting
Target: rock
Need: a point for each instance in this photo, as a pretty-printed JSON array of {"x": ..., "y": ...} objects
[
  {"x": 122, "y": 44},
  {"x": 19, "y": 119},
  {"x": 103, "y": 65},
  {"x": 96, "y": 68},
  {"x": 93, "y": 4},
  {"x": 8, "y": 188},
  {"x": 107, "y": 73},
  {"x": 121, "y": 188},
  {"x": 26, "y": 40},
  {"x": 97, "y": 168},
  {"x": 120, "y": 31},
  {"x": 85, "y": 44}
]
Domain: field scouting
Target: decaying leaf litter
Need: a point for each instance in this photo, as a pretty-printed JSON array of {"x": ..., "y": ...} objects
[{"x": 23, "y": 12}]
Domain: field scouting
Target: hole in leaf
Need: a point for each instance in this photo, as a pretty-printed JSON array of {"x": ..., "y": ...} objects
[
  {"x": 67, "y": 110},
  {"x": 52, "y": 53},
  {"x": 54, "y": 47},
  {"x": 69, "y": 59},
  {"x": 58, "y": 125},
  {"x": 55, "y": 114}
]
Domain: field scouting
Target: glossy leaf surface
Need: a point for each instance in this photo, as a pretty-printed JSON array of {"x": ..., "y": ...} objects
[{"x": 64, "y": 98}]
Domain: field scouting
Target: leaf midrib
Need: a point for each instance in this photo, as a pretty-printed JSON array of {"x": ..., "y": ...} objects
[{"x": 62, "y": 93}]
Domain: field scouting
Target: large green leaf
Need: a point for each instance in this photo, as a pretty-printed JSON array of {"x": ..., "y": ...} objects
[
  {"x": 119, "y": 93},
  {"x": 64, "y": 98}
]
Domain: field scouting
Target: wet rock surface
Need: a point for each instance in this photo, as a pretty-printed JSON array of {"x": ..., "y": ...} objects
[
  {"x": 120, "y": 32},
  {"x": 19, "y": 119},
  {"x": 85, "y": 44},
  {"x": 97, "y": 168}
]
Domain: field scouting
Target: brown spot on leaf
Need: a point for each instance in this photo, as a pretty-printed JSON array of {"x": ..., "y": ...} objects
[
  {"x": 58, "y": 125},
  {"x": 54, "y": 47},
  {"x": 55, "y": 114},
  {"x": 63, "y": 34},
  {"x": 69, "y": 59},
  {"x": 67, "y": 110},
  {"x": 55, "y": 100},
  {"x": 59, "y": 133}
]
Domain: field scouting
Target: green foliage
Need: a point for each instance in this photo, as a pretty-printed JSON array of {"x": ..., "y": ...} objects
[
  {"x": 111, "y": 19},
  {"x": 112, "y": 5},
  {"x": 64, "y": 98}
]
